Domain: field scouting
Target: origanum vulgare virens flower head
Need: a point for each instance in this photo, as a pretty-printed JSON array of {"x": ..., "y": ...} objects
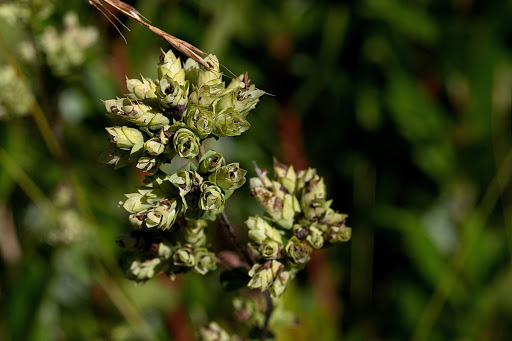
[
  {"x": 175, "y": 112},
  {"x": 298, "y": 219}
]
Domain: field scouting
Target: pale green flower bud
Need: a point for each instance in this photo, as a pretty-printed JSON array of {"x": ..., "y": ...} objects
[
  {"x": 270, "y": 249},
  {"x": 211, "y": 197},
  {"x": 148, "y": 163},
  {"x": 282, "y": 211},
  {"x": 184, "y": 257},
  {"x": 210, "y": 162},
  {"x": 171, "y": 67},
  {"x": 315, "y": 209},
  {"x": 154, "y": 146},
  {"x": 332, "y": 217},
  {"x": 305, "y": 176},
  {"x": 185, "y": 181},
  {"x": 164, "y": 250},
  {"x": 315, "y": 237},
  {"x": 280, "y": 284},
  {"x": 205, "y": 261},
  {"x": 260, "y": 230},
  {"x": 137, "y": 202},
  {"x": 142, "y": 271},
  {"x": 125, "y": 138},
  {"x": 229, "y": 177},
  {"x": 262, "y": 181},
  {"x": 171, "y": 93},
  {"x": 298, "y": 251},
  {"x": 264, "y": 275},
  {"x": 337, "y": 234},
  {"x": 214, "y": 333},
  {"x": 210, "y": 77},
  {"x": 285, "y": 175},
  {"x": 206, "y": 95},
  {"x": 186, "y": 143},
  {"x": 136, "y": 219},
  {"x": 163, "y": 215},
  {"x": 200, "y": 120},
  {"x": 135, "y": 112},
  {"x": 226, "y": 101},
  {"x": 144, "y": 89},
  {"x": 285, "y": 215},
  {"x": 194, "y": 233},
  {"x": 245, "y": 99},
  {"x": 230, "y": 123}
]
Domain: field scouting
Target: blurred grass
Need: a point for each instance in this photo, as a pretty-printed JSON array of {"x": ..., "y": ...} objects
[{"x": 403, "y": 106}]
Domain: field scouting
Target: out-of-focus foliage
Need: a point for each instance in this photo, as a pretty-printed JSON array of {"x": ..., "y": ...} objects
[{"x": 404, "y": 108}]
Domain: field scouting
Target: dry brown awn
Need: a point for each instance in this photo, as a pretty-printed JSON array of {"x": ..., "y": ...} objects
[{"x": 187, "y": 49}]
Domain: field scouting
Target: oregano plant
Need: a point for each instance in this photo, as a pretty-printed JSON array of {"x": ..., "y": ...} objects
[{"x": 170, "y": 117}]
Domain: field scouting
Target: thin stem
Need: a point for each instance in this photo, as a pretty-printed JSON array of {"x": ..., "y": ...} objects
[
  {"x": 223, "y": 219},
  {"x": 268, "y": 313}
]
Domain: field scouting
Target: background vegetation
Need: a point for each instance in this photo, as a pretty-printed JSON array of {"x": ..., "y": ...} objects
[{"x": 403, "y": 106}]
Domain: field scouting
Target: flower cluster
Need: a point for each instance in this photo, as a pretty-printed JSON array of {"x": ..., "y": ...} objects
[
  {"x": 161, "y": 118},
  {"x": 12, "y": 86},
  {"x": 175, "y": 208},
  {"x": 67, "y": 50},
  {"x": 298, "y": 220},
  {"x": 214, "y": 332},
  {"x": 155, "y": 251}
]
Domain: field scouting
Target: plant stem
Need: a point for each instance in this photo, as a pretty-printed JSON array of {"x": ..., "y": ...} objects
[
  {"x": 268, "y": 313},
  {"x": 223, "y": 219}
]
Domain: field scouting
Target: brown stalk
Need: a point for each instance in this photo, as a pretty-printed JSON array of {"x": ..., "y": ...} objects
[{"x": 187, "y": 49}]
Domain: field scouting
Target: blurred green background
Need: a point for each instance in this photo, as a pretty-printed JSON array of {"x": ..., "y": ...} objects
[{"x": 403, "y": 106}]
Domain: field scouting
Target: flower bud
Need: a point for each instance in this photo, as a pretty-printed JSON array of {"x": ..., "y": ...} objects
[
  {"x": 230, "y": 123},
  {"x": 148, "y": 163},
  {"x": 337, "y": 234},
  {"x": 183, "y": 181},
  {"x": 154, "y": 146},
  {"x": 184, "y": 257},
  {"x": 143, "y": 270},
  {"x": 214, "y": 333},
  {"x": 136, "y": 202},
  {"x": 205, "y": 261},
  {"x": 135, "y": 112},
  {"x": 210, "y": 162},
  {"x": 285, "y": 175},
  {"x": 280, "y": 284},
  {"x": 124, "y": 137},
  {"x": 164, "y": 250},
  {"x": 298, "y": 251},
  {"x": 229, "y": 177},
  {"x": 163, "y": 215},
  {"x": 144, "y": 89},
  {"x": 211, "y": 197},
  {"x": 171, "y": 67},
  {"x": 270, "y": 249},
  {"x": 201, "y": 121},
  {"x": 171, "y": 93},
  {"x": 210, "y": 77},
  {"x": 260, "y": 230},
  {"x": 332, "y": 217},
  {"x": 315, "y": 237},
  {"x": 194, "y": 233},
  {"x": 186, "y": 143},
  {"x": 264, "y": 275}
]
